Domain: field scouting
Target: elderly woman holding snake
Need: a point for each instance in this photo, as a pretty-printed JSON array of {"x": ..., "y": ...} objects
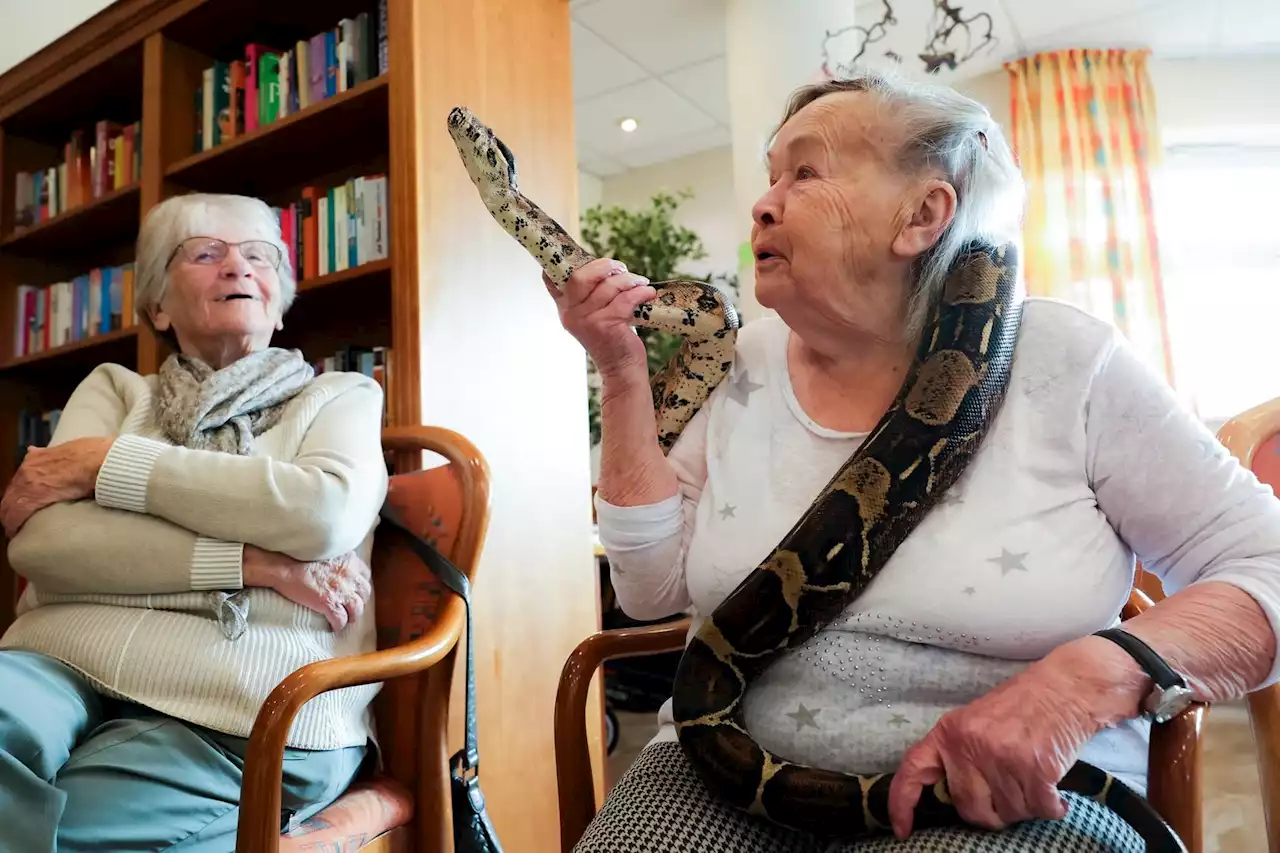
[{"x": 982, "y": 649}]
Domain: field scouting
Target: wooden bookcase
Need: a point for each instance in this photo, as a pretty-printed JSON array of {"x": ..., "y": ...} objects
[{"x": 476, "y": 345}]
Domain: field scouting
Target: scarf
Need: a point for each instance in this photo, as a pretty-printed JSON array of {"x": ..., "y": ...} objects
[{"x": 224, "y": 410}]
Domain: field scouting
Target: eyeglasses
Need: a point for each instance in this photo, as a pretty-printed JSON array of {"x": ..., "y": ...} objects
[{"x": 210, "y": 250}]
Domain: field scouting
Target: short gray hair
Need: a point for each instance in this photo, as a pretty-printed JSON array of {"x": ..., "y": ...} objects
[
  {"x": 958, "y": 137},
  {"x": 193, "y": 215}
]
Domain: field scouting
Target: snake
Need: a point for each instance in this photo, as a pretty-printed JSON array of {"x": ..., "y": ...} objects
[{"x": 949, "y": 397}]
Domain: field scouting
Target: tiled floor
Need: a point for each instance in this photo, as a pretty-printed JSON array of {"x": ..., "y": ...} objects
[{"x": 1232, "y": 804}]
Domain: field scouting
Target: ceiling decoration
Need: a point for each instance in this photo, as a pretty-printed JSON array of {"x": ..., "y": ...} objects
[{"x": 952, "y": 39}]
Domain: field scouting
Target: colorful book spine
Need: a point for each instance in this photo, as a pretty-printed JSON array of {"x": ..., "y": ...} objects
[{"x": 64, "y": 312}]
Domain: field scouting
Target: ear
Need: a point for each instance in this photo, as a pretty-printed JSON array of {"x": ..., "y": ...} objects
[
  {"x": 159, "y": 319},
  {"x": 933, "y": 211}
]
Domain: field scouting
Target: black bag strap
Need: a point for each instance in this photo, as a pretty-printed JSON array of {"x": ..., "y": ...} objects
[{"x": 456, "y": 580}]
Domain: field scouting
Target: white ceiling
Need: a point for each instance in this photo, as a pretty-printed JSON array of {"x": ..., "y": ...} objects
[{"x": 662, "y": 61}]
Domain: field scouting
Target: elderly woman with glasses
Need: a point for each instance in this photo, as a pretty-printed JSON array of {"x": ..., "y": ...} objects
[{"x": 190, "y": 538}]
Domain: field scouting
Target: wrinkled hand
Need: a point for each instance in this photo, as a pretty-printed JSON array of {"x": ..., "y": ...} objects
[
  {"x": 50, "y": 475},
  {"x": 1004, "y": 753},
  {"x": 337, "y": 589},
  {"x": 597, "y": 307}
]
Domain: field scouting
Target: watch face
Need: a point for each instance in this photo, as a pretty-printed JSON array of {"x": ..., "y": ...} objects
[{"x": 1165, "y": 704}]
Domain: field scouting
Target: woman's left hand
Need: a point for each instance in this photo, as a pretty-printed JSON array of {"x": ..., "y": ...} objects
[
  {"x": 49, "y": 475},
  {"x": 1004, "y": 753}
]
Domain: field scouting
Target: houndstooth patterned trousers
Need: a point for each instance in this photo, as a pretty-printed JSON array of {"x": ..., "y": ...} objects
[{"x": 660, "y": 806}]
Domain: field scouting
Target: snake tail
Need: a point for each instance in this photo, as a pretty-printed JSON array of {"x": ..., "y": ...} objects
[{"x": 696, "y": 311}]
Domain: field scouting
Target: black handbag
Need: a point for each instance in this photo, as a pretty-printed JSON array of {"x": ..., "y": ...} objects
[{"x": 473, "y": 832}]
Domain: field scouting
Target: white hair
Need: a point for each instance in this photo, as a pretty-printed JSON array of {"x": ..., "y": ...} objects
[
  {"x": 955, "y": 135},
  {"x": 197, "y": 215}
]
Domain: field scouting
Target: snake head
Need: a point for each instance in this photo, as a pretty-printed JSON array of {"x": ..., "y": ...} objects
[{"x": 480, "y": 148}]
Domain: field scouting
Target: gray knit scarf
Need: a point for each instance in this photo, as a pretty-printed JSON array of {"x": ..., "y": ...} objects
[
  {"x": 224, "y": 410},
  {"x": 205, "y": 409}
]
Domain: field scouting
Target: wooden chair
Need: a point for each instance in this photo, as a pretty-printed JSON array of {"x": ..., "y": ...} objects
[
  {"x": 1175, "y": 747},
  {"x": 405, "y": 807},
  {"x": 1175, "y": 759},
  {"x": 1254, "y": 438}
]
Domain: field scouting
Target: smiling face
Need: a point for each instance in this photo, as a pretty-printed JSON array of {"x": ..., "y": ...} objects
[
  {"x": 222, "y": 301},
  {"x": 838, "y": 229}
]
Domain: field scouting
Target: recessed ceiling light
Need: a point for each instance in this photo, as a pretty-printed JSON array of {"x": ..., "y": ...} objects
[{"x": 628, "y": 125}]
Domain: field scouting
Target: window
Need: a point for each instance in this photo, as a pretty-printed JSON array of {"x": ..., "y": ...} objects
[{"x": 1220, "y": 256}]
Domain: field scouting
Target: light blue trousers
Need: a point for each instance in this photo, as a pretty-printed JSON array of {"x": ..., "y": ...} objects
[{"x": 79, "y": 772}]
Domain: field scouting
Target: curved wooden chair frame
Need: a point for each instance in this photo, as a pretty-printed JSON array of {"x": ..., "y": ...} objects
[
  {"x": 1175, "y": 747},
  {"x": 259, "y": 823}
]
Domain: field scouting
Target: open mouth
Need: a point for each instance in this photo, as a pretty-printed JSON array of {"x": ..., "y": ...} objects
[
  {"x": 234, "y": 296},
  {"x": 766, "y": 256}
]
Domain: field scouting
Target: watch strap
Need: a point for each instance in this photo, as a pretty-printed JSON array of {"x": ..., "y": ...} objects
[{"x": 1155, "y": 666}]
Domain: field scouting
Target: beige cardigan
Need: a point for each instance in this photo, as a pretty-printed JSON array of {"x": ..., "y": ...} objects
[{"x": 119, "y": 585}]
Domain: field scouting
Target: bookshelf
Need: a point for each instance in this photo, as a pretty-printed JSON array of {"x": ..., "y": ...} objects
[{"x": 475, "y": 344}]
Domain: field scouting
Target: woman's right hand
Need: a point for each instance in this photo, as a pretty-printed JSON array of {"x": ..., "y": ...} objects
[
  {"x": 336, "y": 589},
  {"x": 597, "y": 306}
]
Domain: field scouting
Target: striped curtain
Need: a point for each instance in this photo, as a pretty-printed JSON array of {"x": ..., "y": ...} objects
[{"x": 1085, "y": 134}]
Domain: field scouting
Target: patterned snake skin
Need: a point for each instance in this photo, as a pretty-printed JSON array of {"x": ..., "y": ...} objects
[{"x": 918, "y": 449}]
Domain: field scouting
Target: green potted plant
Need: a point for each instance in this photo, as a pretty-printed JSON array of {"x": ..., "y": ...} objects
[{"x": 651, "y": 243}]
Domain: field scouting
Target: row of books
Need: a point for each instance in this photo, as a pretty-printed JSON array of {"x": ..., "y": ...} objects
[
  {"x": 89, "y": 170},
  {"x": 238, "y": 97},
  {"x": 374, "y": 362},
  {"x": 56, "y": 314},
  {"x": 330, "y": 230}
]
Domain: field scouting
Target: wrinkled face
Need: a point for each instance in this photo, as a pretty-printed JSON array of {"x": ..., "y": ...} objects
[
  {"x": 824, "y": 232},
  {"x": 221, "y": 291}
]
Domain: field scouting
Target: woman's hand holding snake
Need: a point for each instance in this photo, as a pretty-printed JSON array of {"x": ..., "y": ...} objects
[
  {"x": 1004, "y": 753},
  {"x": 596, "y": 306}
]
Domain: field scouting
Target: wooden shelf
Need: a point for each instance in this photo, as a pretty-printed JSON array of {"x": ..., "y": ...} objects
[
  {"x": 109, "y": 89},
  {"x": 113, "y": 218},
  {"x": 344, "y": 129},
  {"x": 73, "y": 356},
  {"x": 369, "y": 270}
]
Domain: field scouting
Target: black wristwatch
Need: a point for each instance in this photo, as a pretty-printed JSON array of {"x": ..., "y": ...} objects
[{"x": 1170, "y": 694}]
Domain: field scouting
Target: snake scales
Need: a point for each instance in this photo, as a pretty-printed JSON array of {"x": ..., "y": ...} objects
[{"x": 917, "y": 450}]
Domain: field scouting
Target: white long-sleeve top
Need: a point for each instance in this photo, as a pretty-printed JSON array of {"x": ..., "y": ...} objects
[
  {"x": 1090, "y": 462},
  {"x": 120, "y": 583}
]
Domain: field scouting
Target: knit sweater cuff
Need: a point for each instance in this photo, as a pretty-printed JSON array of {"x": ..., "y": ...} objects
[
  {"x": 122, "y": 481},
  {"x": 216, "y": 564}
]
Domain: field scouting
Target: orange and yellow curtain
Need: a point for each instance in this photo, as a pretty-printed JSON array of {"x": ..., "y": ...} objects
[{"x": 1085, "y": 134}]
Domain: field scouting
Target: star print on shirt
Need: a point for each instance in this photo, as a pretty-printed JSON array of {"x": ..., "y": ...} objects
[
  {"x": 898, "y": 720},
  {"x": 804, "y": 716},
  {"x": 742, "y": 388},
  {"x": 968, "y": 590},
  {"x": 728, "y": 511},
  {"x": 1009, "y": 561}
]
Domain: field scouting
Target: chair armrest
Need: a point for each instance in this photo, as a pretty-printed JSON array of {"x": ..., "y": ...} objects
[
  {"x": 1264, "y": 718},
  {"x": 573, "y": 757},
  {"x": 1175, "y": 759},
  {"x": 259, "y": 824}
]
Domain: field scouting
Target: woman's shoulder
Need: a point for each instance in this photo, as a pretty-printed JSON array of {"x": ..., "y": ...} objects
[
  {"x": 115, "y": 381},
  {"x": 1059, "y": 329},
  {"x": 334, "y": 384}
]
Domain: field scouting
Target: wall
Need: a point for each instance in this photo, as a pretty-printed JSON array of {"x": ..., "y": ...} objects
[
  {"x": 709, "y": 174},
  {"x": 1217, "y": 100},
  {"x": 38, "y": 24}
]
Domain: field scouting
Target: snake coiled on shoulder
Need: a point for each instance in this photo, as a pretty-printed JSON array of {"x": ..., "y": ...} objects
[{"x": 919, "y": 448}]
